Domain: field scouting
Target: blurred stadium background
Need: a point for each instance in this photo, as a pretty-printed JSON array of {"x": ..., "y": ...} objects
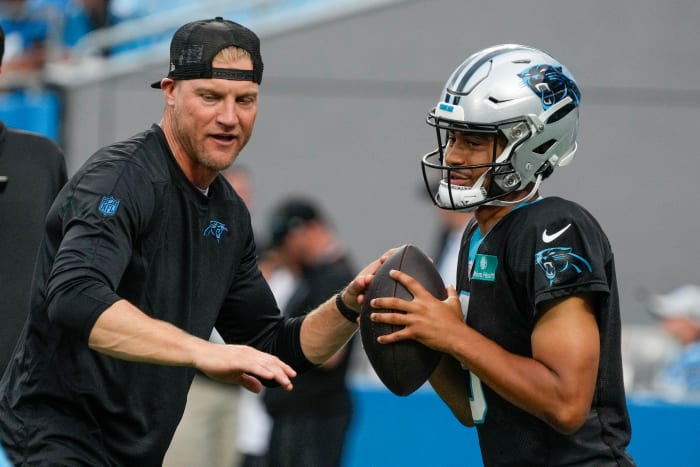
[{"x": 346, "y": 89}]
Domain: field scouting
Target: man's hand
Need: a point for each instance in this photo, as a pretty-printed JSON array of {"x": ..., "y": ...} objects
[{"x": 240, "y": 364}]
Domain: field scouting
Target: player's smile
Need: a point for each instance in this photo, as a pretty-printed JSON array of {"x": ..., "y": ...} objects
[{"x": 458, "y": 177}]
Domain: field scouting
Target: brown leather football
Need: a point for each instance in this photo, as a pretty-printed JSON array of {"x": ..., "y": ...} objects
[{"x": 402, "y": 366}]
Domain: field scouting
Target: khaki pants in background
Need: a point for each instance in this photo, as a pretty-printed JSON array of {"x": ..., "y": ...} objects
[{"x": 206, "y": 435}]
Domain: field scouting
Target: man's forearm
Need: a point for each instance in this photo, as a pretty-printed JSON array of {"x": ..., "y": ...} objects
[
  {"x": 123, "y": 331},
  {"x": 324, "y": 331}
]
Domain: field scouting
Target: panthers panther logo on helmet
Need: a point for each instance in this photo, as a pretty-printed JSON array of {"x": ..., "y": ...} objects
[{"x": 551, "y": 84}]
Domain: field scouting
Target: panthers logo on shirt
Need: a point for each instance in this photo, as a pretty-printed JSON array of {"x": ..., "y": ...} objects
[
  {"x": 559, "y": 264},
  {"x": 215, "y": 229}
]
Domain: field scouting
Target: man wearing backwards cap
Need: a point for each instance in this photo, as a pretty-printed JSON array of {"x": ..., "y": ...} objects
[{"x": 145, "y": 250}]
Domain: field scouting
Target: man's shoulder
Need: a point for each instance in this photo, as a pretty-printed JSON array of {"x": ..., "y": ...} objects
[
  {"x": 551, "y": 214},
  {"x": 554, "y": 209},
  {"x": 26, "y": 152},
  {"x": 143, "y": 152},
  {"x": 557, "y": 203},
  {"x": 147, "y": 142},
  {"x": 28, "y": 140}
]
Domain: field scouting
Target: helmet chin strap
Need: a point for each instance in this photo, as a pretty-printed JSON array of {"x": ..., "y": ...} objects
[
  {"x": 463, "y": 198},
  {"x": 527, "y": 197},
  {"x": 467, "y": 199}
]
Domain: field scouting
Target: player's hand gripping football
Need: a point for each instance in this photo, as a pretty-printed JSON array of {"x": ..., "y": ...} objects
[{"x": 427, "y": 319}]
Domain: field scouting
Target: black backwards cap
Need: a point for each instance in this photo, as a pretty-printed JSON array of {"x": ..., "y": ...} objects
[{"x": 195, "y": 45}]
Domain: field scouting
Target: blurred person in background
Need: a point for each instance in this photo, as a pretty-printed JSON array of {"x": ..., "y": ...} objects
[
  {"x": 310, "y": 424},
  {"x": 42, "y": 30},
  {"x": 32, "y": 171},
  {"x": 452, "y": 225},
  {"x": 679, "y": 312}
]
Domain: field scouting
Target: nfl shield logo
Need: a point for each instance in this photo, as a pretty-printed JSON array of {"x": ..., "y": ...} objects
[{"x": 109, "y": 205}]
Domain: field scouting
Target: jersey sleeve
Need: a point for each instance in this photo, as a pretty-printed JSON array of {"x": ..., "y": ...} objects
[
  {"x": 561, "y": 253},
  {"x": 101, "y": 215}
]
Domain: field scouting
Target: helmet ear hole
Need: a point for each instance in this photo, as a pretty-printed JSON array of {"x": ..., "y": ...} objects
[
  {"x": 561, "y": 113},
  {"x": 544, "y": 147}
]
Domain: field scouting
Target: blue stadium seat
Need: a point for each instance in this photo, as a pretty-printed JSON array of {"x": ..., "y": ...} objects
[{"x": 36, "y": 111}]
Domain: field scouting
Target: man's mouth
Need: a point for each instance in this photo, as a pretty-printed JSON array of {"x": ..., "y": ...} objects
[
  {"x": 458, "y": 179},
  {"x": 223, "y": 138}
]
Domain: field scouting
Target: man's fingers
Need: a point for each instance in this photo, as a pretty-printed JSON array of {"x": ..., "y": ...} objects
[
  {"x": 251, "y": 383},
  {"x": 409, "y": 282},
  {"x": 397, "y": 319},
  {"x": 276, "y": 370}
]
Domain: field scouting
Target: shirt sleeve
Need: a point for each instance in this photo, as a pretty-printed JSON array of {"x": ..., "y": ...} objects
[
  {"x": 564, "y": 254},
  {"x": 107, "y": 205}
]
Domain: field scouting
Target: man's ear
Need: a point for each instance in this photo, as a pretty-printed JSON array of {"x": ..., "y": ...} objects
[{"x": 167, "y": 85}]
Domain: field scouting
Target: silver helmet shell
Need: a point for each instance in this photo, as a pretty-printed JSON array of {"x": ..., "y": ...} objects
[{"x": 516, "y": 91}]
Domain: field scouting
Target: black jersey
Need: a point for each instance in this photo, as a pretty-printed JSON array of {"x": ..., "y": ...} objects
[
  {"x": 129, "y": 225},
  {"x": 35, "y": 171},
  {"x": 545, "y": 250}
]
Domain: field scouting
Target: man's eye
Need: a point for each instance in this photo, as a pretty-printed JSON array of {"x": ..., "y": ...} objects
[{"x": 248, "y": 100}]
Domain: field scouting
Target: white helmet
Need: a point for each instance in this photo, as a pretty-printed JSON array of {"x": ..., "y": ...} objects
[{"x": 516, "y": 91}]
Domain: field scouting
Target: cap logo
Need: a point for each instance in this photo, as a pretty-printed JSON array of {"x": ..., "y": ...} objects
[{"x": 191, "y": 55}]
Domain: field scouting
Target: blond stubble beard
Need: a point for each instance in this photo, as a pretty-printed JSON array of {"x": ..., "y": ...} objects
[{"x": 201, "y": 157}]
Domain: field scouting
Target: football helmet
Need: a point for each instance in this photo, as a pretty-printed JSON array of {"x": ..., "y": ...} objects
[{"x": 516, "y": 92}]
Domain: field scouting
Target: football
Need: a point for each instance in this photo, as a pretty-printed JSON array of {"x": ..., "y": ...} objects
[{"x": 402, "y": 366}]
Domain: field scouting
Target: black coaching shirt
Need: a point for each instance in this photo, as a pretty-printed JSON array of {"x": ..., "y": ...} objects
[
  {"x": 548, "y": 249},
  {"x": 129, "y": 225},
  {"x": 35, "y": 170}
]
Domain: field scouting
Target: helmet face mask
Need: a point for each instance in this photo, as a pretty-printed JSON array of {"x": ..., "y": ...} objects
[
  {"x": 519, "y": 94},
  {"x": 438, "y": 175}
]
